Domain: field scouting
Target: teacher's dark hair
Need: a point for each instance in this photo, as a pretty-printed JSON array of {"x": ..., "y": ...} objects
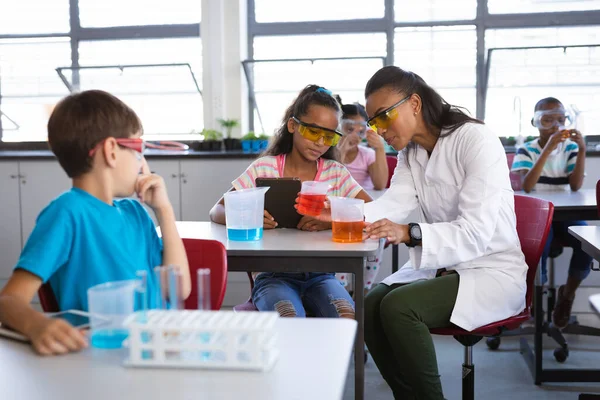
[{"x": 436, "y": 111}]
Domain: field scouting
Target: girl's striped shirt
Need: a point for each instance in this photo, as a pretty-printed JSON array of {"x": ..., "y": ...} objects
[{"x": 341, "y": 182}]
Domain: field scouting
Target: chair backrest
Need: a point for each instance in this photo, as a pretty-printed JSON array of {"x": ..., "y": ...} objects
[
  {"x": 598, "y": 197},
  {"x": 515, "y": 179},
  {"x": 47, "y": 298},
  {"x": 209, "y": 254},
  {"x": 534, "y": 218},
  {"x": 201, "y": 254},
  {"x": 391, "y": 162}
]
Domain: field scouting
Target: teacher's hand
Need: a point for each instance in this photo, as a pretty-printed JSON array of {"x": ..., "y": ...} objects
[{"x": 386, "y": 229}]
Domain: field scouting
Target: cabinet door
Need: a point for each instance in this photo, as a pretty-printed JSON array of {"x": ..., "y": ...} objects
[
  {"x": 10, "y": 227},
  {"x": 41, "y": 181},
  {"x": 203, "y": 182},
  {"x": 169, "y": 170}
]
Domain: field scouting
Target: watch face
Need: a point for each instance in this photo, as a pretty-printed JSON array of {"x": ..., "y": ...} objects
[{"x": 415, "y": 232}]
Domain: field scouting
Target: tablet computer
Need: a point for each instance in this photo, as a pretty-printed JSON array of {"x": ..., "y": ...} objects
[{"x": 280, "y": 200}]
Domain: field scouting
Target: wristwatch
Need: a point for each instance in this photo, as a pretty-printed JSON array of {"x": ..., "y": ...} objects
[{"x": 414, "y": 234}]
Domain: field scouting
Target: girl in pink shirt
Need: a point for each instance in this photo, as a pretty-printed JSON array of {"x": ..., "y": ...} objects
[{"x": 367, "y": 165}]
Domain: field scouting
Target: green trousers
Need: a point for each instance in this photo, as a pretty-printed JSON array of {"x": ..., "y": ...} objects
[{"x": 397, "y": 323}]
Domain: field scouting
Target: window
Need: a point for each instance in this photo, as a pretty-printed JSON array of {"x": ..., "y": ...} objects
[
  {"x": 165, "y": 97},
  {"x": 445, "y": 57},
  {"x": 30, "y": 84},
  {"x": 434, "y": 10},
  {"x": 105, "y": 13},
  {"x": 518, "y": 78},
  {"x": 539, "y": 6},
  {"x": 316, "y": 10},
  {"x": 34, "y": 16},
  {"x": 276, "y": 84}
]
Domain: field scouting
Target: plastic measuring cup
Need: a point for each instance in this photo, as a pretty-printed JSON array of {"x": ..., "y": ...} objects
[
  {"x": 244, "y": 213},
  {"x": 109, "y": 304},
  {"x": 312, "y": 197},
  {"x": 347, "y": 219}
]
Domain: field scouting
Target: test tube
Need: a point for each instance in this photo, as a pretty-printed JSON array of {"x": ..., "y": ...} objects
[
  {"x": 203, "y": 283},
  {"x": 141, "y": 293},
  {"x": 175, "y": 286},
  {"x": 161, "y": 287}
]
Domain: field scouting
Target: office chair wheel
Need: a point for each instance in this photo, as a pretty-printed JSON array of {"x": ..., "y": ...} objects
[
  {"x": 561, "y": 354},
  {"x": 493, "y": 343}
]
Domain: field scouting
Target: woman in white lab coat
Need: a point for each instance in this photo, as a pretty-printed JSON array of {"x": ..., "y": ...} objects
[{"x": 466, "y": 266}]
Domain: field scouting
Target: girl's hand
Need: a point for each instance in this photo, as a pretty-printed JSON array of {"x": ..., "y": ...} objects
[
  {"x": 386, "y": 229},
  {"x": 268, "y": 221},
  {"x": 312, "y": 224}
]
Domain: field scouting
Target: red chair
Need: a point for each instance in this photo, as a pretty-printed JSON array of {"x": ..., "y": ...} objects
[
  {"x": 515, "y": 179},
  {"x": 534, "y": 218},
  {"x": 391, "y": 162},
  {"x": 47, "y": 298},
  {"x": 201, "y": 254},
  {"x": 207, "y": 254}
]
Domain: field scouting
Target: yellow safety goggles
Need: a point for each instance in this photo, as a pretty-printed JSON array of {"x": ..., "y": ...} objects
[
  {"x": 315, "y": 132},
  {"x": 384, "y": 119}
]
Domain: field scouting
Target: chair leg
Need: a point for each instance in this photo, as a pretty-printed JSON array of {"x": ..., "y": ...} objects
[{"x": 468, "y": 375}]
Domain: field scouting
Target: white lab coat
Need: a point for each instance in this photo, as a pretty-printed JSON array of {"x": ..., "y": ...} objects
[{"x": 468, "y": 223}]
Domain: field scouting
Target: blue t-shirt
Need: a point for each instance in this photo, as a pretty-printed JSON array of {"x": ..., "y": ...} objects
[{"x": 80, "y": 241}]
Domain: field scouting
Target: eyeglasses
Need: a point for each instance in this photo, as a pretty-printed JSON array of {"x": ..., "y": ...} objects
[
  {"x": 386, "y": 117},
  {"x": 350, "y": 126},
  {"x": 135, "y": 144},
  {"x": 314, "y": 133}
]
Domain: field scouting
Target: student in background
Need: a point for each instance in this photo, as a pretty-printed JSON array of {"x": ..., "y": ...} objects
[
  {"x": 85, "y": 237},
  {"x": 556, "y": 161},
  {"x": 368, "y": 165},
  {"x": 303, "y": 147}
]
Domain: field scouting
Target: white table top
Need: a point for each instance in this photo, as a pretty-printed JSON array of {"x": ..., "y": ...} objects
[
  {"x": 278, "y": 242},
  {"x": 313, "y": 364},
  {"x": 589, "y": 236},
  {"x": 595, "y": 303},
  {"x": 566, "y": 198}
]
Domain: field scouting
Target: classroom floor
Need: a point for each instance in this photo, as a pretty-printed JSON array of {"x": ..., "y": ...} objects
[{"x": 500, "y": 374}]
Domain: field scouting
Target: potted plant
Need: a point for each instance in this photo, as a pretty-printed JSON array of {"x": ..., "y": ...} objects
[
  {"x": 248, "y": 142},
  {"x": 529, "y": 138},
  {"x": 264, "y": 141},
  {"x": 228, "y": 125},
  {"x": 212, "y": 140}
]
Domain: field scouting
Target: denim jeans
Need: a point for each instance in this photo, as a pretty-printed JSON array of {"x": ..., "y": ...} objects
[
  {"x": 581, "y": 263},
  {"x": 293, "y": 294}
]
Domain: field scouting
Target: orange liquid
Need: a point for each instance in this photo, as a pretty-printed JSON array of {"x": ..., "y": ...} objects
[
  {"x": 347, "y": 232},
  {"x": 311, "y": 204}
]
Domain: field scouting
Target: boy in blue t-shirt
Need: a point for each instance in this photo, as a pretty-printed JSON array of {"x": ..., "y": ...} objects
[
  {"x": 85, "y": 237},
  {"x": 556, "y": 161}
]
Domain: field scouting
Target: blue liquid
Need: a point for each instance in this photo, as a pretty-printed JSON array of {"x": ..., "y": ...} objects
[
  {"x": 109, "y": 338},
  {"x": 245, "y": 235}
]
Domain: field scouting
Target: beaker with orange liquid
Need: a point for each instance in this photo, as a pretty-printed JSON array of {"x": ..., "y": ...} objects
[{"x": 347, "y": 219}]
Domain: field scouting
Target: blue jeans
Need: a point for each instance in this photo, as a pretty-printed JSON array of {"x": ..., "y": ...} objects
[
  {"x": 293, "y": 294},
  {"x": 581, "y": 263}
]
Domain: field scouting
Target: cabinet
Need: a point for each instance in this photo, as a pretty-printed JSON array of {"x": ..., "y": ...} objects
[
  {"x": 10, "y": 227},
  {"x": 203, "y": 182},
  {"x": 40, "y": 182}
]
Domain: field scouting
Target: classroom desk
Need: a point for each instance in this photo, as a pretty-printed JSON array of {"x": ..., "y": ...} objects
[
  {"x": 292, "y": 250},
  {"x": 589, "y": 236},
  {"x": 313, "y": 364},
  {"x": 568, "y": 206}
]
